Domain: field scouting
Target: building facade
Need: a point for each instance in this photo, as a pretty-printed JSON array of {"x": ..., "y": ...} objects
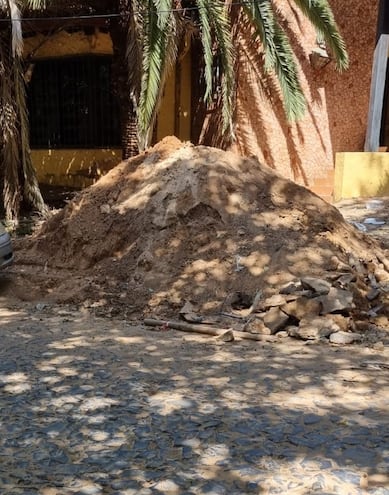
[{"x": 74, "y": 136}]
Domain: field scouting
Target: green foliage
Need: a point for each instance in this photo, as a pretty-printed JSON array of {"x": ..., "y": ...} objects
[
  {"x": 156, "y": 29},
  {"x": 216, "y": 37}
]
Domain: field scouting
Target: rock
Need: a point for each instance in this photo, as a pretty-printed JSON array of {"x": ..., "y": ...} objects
[
  {"x": 381, "y": 275},
  {"x": 292, "y": 331},
  {"x": 273, "y": 301},
  {"x": 381, "y": 321},
  {"x": 275, "y": 319},
  {"x": 145, "y": 261},
  {"x": 256, "y": 325},
  {"x": 106, "y": 208},
  {"x": 302, "y": 307},
  {"x": 345, "y": 279},
  {"x": 344, "y": 337},
  {"x": 187, "y": 313},
  {"x": 336, "y": 264},
  {"x": 318, "y": 285},
  {"x": 373, "y": 294},
  {"x": 336, "y": 300},
  {"x": 227, "y": 336},
  {"x": 357, "y": 265},
  {"x": 315, "y": 328},
  {"x": 362, "y": 326},
  {"x": 291, "y": 288},
  {"x": 344, "y": 323}
]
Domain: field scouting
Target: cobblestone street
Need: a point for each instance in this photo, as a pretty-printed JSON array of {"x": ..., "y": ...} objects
[{"x": 92, "y": 406}]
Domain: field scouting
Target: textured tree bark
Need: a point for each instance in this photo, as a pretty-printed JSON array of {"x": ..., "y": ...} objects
[
  {"x": 19, "y": 184},
  {"x": 121, "y": 87}
]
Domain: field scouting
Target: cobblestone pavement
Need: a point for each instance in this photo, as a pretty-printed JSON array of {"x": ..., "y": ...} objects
[
  {"x": 91, "y": 406},
  {"x": 369, "y": 215}
]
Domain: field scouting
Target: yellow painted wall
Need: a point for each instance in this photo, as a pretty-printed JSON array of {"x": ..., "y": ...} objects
[
  {"x": 80, "y": 168},
  {"x": 64, "y": 44},
  {"x": 165, "y": 119},
  {"x": 72, "y": 167},
  {"x": 184, "y": 131},
  {"x": 361, "y": 175}
]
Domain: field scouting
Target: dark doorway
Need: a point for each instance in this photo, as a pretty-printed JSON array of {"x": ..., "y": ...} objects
[{"x": 71, "y": 104}]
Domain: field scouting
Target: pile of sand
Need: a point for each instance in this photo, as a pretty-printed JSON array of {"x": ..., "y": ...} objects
[{"x": 191, "y": 223}]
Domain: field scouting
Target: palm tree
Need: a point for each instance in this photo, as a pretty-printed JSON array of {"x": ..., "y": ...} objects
[
  {"x": 157, "y": 29},
  {"x": 17, "y": 175},
  {"x": 148, "y": 39}
]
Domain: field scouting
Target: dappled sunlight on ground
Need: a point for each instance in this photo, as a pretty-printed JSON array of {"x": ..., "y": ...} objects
[{"x": 99, "y": 406}]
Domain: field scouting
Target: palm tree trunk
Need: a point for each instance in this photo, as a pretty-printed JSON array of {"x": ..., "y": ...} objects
[
  {"x": 18, "y": 178},
  {"x": 121, "y": 87}
]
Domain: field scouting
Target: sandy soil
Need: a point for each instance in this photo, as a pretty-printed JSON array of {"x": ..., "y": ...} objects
[{"x": 183, "y": 223}]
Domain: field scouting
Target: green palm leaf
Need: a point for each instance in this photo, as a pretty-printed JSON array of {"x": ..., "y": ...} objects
[
  {"x": 134, "y": 48},
  {"x": 215, "y": 25},
  {"x": 278, "y": 55},
  {"x": 320, "y": 14},
  {"x": 159, "y": 56}
]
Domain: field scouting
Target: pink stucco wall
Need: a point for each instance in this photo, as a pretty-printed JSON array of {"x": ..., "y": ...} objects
[{"x": 337, "y": 103}]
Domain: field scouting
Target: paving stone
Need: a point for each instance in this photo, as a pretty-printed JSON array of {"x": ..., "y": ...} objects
[
  {"x": 117, "y": 423},
  {"x": 312, "y": 419},
  {"x": 347, "y": 476}
]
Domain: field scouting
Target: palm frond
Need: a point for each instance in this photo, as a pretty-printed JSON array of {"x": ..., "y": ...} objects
[
  {"x": 322, "y": 18},
  {"x": 31, "y": 191},
  {"x": 159, "y": 56},
  {"x": 36, "y": 4},
  {"x": 278, "y": 55},
  {"x": 207, "y": 42},
  {"x": 215, "y": 26},
  {"x": 9, "y": 139},
  {"x": 134, "y": 49},
  {"x": 11, "y": 9}
]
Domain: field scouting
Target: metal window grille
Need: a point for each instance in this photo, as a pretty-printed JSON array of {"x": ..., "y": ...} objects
[{"x": 71, "y": 104}]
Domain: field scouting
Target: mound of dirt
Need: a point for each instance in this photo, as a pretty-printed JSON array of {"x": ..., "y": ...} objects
[{"x": 191, "y": 223}]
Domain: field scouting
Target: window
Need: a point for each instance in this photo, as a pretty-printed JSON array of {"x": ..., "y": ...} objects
[{"x": 71, "y": 104}]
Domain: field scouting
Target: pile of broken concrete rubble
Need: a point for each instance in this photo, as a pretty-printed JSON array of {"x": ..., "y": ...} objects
[
  {"x": 315, "y": 309},
  {"x": 310, "y": 309}
]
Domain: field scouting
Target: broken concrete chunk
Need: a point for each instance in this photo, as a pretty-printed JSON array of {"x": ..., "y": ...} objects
[
  {"x": 344, "y": 322},
  {"x": 291, "y": 288},
  {"x": 256, "y": 325},
  {"x": 299, "y": 293},
  {"x": 381, "y": 275},
  {"x": 318, "y": 285},
  {"x": 336, "y": 300},
  {"x": 356, "y": 264},
  {"x": 315, "y": 328},
  {"x": 270, "y": 302},
  {"x": 302, "y": 307},
  {"x": 227, "y": 336},
  {"x": 105, "y": 208},
  {"x": 292, "y": 331},
  {"x": 275, "y": 319},
  {"x": 187, "y": 313},
  {"x": 345, "y": 279},
  {"x": 344, "y": 337},
  {"x": 373, "y": 294}
]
